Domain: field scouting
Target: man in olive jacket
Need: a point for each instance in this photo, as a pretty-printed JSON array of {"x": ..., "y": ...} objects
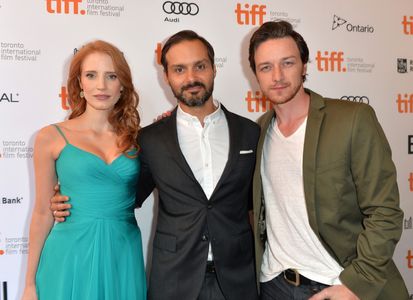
[{"x": 326, "y": 202}]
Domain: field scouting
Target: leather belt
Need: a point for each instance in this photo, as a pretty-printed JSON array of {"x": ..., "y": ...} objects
[
  {"x": 210, "y": 267},
  {"x": 294, "y": 278}
]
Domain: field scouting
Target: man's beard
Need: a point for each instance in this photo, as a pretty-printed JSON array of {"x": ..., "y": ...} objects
[{"x": 194, "y": 100}]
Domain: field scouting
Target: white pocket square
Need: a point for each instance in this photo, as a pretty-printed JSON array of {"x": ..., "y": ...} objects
[{"x": 245, "y": 151}]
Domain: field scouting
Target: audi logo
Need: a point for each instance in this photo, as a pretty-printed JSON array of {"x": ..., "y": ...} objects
[
  {"x": 180, "y": 8},
  {"x": 360, "y": 99}
]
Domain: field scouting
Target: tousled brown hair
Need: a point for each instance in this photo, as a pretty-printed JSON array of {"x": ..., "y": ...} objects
[
  {"x": 276, "y": 30},
  {"x": 124, "y": 117}
]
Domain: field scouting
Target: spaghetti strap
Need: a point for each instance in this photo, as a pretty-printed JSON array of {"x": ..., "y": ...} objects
[{"x": 61, "y": 133}]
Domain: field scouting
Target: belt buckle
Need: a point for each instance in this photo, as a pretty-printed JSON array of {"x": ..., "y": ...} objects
[{"x": 295, "y": 282}]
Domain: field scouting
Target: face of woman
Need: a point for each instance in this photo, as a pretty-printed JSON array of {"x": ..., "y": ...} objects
[{"x": 99, "y": 82}]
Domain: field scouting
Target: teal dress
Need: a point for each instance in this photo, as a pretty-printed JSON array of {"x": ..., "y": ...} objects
[{"x": 96, "y": 254}]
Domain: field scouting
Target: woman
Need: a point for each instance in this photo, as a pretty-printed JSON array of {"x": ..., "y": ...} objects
[{"x": 97, "y": 252}]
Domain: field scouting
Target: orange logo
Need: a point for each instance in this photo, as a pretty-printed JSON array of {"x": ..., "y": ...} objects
[
  {"x": 257, "y": 103},
  {"x": 64, "y": 98},
  {"x": 409, "y": 258},
  {"x": 330, "y": 62},
  {"x": 411, "y": 182},
  {"x": 158, "y": 52},
  {"x": 1, "y": 244},
  {"x": 68, "y": 7},
  {"x": 255, "y": 12},
  {"x": 405, "y": 104},
  {"x": 407, "y": 25}
]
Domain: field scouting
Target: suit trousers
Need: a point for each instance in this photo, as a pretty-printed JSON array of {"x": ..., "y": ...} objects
[
  {"x": 279, "y": 289},
  {"x": 210, "y": 288}
]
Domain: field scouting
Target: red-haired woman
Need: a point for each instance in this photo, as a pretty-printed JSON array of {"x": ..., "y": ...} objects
[{"x": 97, "y": 252}]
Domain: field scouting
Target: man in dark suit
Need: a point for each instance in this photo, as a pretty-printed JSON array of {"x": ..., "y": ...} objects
[
  {"x": 201, "y": 159},
  {"x": 325, "y": 177}
]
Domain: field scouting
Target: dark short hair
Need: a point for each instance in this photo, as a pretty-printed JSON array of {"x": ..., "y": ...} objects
[
  {"x": 276, "y": 30},
  {"x": 185, "y": 35}
]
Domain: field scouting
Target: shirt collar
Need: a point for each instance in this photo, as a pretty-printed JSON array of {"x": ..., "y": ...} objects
[{"x": 213, "y": 117}]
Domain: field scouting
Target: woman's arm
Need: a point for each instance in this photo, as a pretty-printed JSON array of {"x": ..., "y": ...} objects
[{"x": 42, "y": 219}]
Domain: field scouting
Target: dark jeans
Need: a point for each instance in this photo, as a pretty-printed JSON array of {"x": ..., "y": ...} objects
[
  {"x": 280, "y": 289},
  {"x": 210, "y": 288}
]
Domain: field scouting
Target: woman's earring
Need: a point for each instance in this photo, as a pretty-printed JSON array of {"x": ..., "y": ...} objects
[{"x": 81, "y": 94}]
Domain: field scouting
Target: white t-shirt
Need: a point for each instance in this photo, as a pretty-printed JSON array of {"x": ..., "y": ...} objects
[{"x": 291, "y": 243}]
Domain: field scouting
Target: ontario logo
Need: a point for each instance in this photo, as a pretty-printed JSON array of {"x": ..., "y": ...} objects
[
  {"x": 340, "y": 22},
  {"x": 101, "y": 8}
]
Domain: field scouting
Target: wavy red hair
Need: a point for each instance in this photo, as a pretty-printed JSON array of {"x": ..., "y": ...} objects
[{"x": 124, "y": 118}]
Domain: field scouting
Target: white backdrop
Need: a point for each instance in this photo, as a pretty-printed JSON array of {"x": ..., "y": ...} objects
[{"x": 359, "y": 51}]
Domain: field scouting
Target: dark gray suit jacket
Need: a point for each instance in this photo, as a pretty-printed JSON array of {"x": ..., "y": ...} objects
[{"x": 188, "y": 221}]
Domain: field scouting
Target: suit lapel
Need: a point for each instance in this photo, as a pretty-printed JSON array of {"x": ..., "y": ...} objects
[
  {"x": 234, "y": 146},
  {"x": 312, "y": 134},
  {"x": 171, "y": 139}
]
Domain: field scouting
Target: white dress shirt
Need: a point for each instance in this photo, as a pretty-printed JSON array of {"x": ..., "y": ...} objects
[{"x": 205, "y": 148}]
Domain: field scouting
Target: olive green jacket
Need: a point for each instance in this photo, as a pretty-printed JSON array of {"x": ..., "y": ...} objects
[{"x": 351, "y": 195}]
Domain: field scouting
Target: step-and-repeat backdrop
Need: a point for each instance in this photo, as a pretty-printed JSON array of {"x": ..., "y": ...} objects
[{"x": 360, "y": 51}]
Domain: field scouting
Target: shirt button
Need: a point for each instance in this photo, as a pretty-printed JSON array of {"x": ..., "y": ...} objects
[{"x": 209, "y": 206}]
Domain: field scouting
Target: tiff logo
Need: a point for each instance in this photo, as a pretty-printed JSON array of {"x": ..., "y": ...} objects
[
  {"x": 158, "y": 53},
  {"x": 405, "y": 103},
  {"x": 409, "y": 258},
  {"x": 330, "y": 61},
  {"x": 64, "y": 98},
  {"x": 255, "y": 12},
  {"x": 68, "y": 6},
  {"x": 410, "y": 146},
  {"x": 407, "y": 25},
  {"x": 258, "y": 102}
]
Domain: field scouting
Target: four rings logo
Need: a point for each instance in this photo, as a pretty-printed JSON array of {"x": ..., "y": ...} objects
[
  {"x": 360, "y": 99},
  {"x": 180, "y": 8}
]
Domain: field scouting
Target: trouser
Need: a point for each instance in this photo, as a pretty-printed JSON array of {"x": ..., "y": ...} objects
[
  {"x": 280, "y": 289},
  {"x": 211, "y": 289}
]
